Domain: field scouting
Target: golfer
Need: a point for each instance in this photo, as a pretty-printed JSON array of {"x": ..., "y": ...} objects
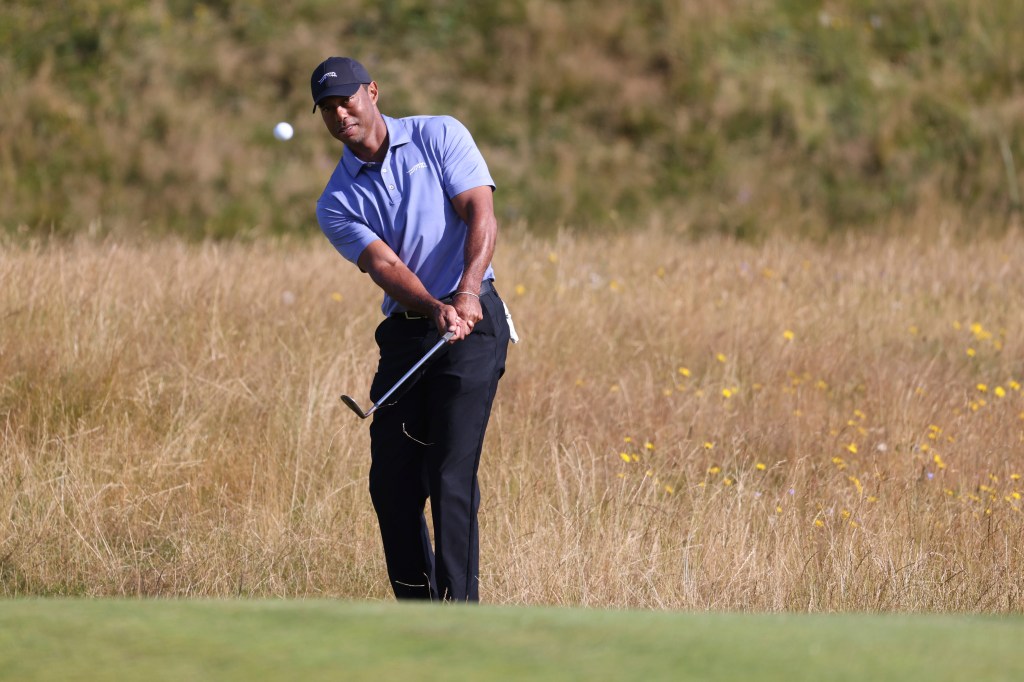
[{"x": 410, "y": 203}]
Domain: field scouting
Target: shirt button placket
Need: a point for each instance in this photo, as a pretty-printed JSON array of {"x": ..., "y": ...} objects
[{"x": 390, "y": 185}]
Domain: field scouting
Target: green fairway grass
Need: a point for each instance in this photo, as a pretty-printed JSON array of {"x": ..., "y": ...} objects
[{"x": 328, "y": 640}]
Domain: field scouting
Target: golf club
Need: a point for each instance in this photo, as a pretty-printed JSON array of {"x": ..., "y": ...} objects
[{"x": 363, "y": 415}]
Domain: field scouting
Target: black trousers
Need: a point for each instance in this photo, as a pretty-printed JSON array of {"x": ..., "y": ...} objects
[{"x": 427, "y": 444}]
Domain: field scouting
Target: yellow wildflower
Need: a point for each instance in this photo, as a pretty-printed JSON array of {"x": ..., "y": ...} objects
[
  {"x": 788, "y": 335},
  {"x": 760, "y": 466},
  {"x": 684, "y": 371}
]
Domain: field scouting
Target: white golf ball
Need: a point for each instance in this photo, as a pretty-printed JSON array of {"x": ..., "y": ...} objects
[{"x": 283, "y": 131}]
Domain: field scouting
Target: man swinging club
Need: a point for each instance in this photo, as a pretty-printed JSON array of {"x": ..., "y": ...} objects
[{"x": 410, "y": 202}]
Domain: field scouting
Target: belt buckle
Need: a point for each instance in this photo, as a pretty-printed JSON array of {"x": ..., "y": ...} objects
[{"x": 409, "y": 315}]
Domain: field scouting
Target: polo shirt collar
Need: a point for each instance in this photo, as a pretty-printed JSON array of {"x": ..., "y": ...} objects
[{"x": 398, "y": 134}]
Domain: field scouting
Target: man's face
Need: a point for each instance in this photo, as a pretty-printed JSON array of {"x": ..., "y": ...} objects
[{"x": 351, "y": 119}]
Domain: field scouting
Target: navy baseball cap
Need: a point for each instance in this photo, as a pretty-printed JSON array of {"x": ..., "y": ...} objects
[{"x": 337, "y": 77}]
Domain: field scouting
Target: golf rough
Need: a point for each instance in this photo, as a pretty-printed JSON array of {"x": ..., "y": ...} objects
[{"x": 283, "y": 131}]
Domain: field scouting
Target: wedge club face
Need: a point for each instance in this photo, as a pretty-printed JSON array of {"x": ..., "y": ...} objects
[
  {"x": 355, "y": 408},
  {"x": 351, "y": 403}
]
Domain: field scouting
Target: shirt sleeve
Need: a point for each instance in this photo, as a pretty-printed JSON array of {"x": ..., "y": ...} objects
[
  {"x": 349, "y": 236},
  {"x": 463, "y": 166}
]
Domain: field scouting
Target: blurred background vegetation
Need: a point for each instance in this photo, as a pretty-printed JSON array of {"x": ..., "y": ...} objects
[{"x": 742, "y": 117}]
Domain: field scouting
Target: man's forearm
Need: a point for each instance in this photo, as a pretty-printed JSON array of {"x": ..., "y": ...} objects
[
  {"x": 402, "y": 284},
  {"x": 476, "y": 208},
  {"x": 480, "y": 240}
]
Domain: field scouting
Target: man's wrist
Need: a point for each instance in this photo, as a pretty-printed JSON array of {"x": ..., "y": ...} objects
[{"x": 470, "y": 285}]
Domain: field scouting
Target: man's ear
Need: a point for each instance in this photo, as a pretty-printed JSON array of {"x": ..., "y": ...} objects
[{"x": 372, "y": 89}]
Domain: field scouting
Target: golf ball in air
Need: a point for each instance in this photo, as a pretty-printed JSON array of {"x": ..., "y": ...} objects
[{"x": 283, "y": 131}]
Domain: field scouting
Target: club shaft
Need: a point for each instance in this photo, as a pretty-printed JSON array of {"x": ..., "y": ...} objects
[{"x": 443, "y": 340}]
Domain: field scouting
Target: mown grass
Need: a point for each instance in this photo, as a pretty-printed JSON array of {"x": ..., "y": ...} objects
[
  {"x": 731, "y": 117},
  {"x": 107, "y": 640},
  {"x": 705, "y": 425}
]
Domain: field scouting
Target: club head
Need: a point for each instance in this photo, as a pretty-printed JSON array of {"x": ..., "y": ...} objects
[{"x": 355, "y": 408}]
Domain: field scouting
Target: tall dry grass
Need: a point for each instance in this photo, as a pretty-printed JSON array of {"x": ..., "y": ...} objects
[{"x": 704, "y": 425}]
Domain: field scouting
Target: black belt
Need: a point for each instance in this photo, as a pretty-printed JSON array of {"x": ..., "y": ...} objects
[{"x": 486, "y": 287}]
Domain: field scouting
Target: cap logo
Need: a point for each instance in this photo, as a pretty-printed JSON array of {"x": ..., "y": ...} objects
[{"x": 327, "y": 75}]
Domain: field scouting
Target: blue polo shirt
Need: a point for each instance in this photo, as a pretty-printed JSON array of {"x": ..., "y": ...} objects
[{"x": 406, "y": 200}]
